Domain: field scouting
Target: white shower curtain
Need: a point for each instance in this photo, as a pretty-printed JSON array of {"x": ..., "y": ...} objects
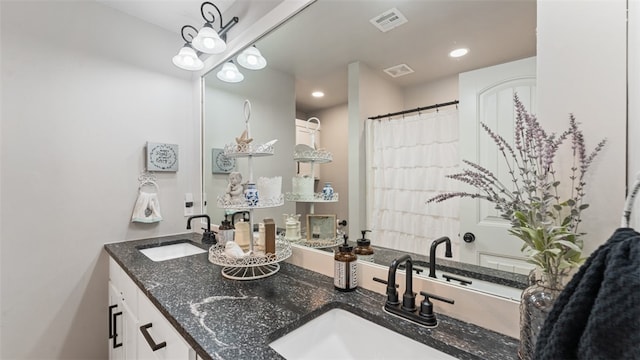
[{"x": 408, "y": 159}]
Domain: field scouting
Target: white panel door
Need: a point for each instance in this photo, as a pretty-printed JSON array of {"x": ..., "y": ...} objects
[{"x": 486, "y": 96}]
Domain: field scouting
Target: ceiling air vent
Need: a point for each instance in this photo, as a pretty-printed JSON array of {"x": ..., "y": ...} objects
[
  {"x": 398, "y": 70},
  {"x": 389, "y": 20}
]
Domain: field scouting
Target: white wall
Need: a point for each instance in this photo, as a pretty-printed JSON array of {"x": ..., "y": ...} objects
[
  {"x": 369, "y": 95},
  {"x": 335, "y": 138},
  {"x": 581, "y": 70},
  {"x": 83, "y": 88},
  {"x": 434, "y": 92}
]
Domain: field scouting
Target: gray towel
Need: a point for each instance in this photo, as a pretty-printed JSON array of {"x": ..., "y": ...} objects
[{"x": 597, "y": 315}]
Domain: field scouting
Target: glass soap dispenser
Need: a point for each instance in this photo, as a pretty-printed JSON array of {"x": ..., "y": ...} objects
[
  {"x": 345, "y": 268},
  {"x": 363, "y": 250}
]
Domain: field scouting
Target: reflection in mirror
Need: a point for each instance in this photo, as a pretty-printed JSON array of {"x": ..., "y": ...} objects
[{"x": 335, "y": 48}]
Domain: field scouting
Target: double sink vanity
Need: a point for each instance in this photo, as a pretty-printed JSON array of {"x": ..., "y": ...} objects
[{"x": 293, "y": 314}]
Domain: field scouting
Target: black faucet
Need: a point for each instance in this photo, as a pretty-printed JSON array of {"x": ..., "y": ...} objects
[
  {"x": 432, "y": 253},
  {"x": 409, "y": 297},
  {"x": 208, "y": 237},
  {"x": 244, "y": 216},
  {"x": 408, "y": 309}
]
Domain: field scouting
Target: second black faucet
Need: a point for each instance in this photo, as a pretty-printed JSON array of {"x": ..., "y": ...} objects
[{"x": 408, "y": 309}]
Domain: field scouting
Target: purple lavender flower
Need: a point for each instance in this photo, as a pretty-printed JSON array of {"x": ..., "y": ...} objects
[{"x": 531, "y": 201}]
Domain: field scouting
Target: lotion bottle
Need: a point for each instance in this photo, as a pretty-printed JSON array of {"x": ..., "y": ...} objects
[
  {"x": 345, "y": 268},
  {"x": 364, "y": 251}
]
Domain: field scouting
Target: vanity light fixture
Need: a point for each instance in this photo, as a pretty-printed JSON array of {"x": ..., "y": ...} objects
[
  {"x": 205, "y": 41},
  {"x": 458, "y": 52},
  {"x": 317, "y": 94},
  {"x": 210, "y": 41},
  {"x": 252, "y": 59},
  {"x": 230, "y": 73},
  {"x": 187, "y": 57}
]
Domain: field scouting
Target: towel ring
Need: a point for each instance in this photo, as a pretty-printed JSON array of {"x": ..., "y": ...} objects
[
  {"x": 147, "y": 178},
  {"x": 628, "y": 205}
]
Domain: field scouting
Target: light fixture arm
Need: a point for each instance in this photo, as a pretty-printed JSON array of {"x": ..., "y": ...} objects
[
  {"x": 182, "y": 32},
  {"x": 223, "y": 27}
]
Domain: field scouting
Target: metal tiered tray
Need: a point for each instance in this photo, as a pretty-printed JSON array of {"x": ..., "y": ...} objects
[
  {"x": 318, "y": 244},
  {"x": 243, "y": 204},
  {"x": 244, "y": 150},
  {"x": 315, "y": 197},
  {"x": 250, "y": 267},
  {"x": 310, "y": 155}
]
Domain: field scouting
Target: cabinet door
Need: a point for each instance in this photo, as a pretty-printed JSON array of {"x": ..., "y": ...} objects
[
  {"x": 123, "y": 319},
  {"x": 115, "y": 327},
  {"x": 129, "y": 328},
  {"x": 157, "y": 339}
]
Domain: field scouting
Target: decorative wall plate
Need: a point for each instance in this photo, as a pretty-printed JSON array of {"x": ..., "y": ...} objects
[
  {"x": 162, "y": 157},
  {"x": 221, "y": 164}
]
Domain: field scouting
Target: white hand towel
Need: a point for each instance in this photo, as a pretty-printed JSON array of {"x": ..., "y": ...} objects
[{"x": 147, "y": 208}]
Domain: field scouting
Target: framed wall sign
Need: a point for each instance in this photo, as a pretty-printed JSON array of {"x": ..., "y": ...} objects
[
  {"x": 221, "y": 164},
  {"x": 321, "y": 227},
  {"x": 162, "y": 157}
]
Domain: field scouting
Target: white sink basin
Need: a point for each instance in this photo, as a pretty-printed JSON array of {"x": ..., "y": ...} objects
[
  {"x": 339, "y": 334},
  {"x": 171, "y": 251}
]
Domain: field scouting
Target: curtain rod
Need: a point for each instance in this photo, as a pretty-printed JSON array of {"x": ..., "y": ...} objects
[{"x": 434, "y": 106}]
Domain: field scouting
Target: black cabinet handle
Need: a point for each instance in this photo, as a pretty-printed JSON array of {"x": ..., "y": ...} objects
[
  {"x": 150, "y": 341},
  {"x": 115, "y": 334},
  {"x": 112, "y": 329}
]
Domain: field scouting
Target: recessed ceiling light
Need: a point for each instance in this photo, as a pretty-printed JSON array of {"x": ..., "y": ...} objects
[
  {"x": 458, "y": 52},
  {"x": 317, "y": 94}
]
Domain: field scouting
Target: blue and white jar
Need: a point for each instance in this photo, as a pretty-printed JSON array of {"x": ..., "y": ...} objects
[
  {"x": 251, "y": 195},
  {"x": 327, "y": 191}
]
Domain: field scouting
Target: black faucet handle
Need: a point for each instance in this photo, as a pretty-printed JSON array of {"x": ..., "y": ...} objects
[
  {"x": 455, "y": 278},
  {"x": 428, "y": 296},
  {"x": 392, "y": 294},
  {"x": 377, "y": 279},
  {"x": 426, "y": 308},
  {"x": 208, "y": 237}
]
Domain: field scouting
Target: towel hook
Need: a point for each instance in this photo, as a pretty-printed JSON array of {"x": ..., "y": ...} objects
[
  {"x": 147, "y": 178},
  {"x": 628, "y": 205}
]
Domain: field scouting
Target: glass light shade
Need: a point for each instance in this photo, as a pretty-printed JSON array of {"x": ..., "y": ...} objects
[
  {"x": 252, "y": 59},
  {"x": 229, "y": 73},
  {"x": 187, "y": 59},
  {"x": 208, "y": 41}
]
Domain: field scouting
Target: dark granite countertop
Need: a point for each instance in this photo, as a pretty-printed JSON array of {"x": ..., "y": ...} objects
[{"x": 228, "y": 319}]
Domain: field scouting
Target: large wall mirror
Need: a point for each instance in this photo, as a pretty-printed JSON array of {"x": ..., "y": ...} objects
[{"x": 335, "y": 47}]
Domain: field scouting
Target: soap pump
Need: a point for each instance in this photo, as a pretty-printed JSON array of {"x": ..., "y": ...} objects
[
  {"x": 363, "y": 250},
  {"x": 225, "y": 231},
  {"x": 345, "y": 268}
]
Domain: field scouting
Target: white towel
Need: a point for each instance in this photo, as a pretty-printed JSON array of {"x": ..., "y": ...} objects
[{"x": 147, "y": 208}]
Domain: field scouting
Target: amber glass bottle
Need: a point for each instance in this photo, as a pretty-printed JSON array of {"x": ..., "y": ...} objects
[{"x": 345, "y": 268}]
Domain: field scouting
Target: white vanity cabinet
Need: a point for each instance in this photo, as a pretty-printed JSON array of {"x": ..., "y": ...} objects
[{"x": 137, "y": 329}]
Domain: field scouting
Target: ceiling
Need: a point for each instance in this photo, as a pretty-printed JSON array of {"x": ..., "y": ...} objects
[{"x": 317, "y": 44}]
